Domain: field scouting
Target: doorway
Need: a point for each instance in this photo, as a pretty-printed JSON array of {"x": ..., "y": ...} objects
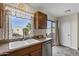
[{"x": 51, "y": 31}]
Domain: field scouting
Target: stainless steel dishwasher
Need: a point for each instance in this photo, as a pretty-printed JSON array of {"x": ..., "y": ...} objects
[{"x": 47, "y": 48}]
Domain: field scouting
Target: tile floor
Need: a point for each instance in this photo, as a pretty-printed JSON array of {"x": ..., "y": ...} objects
[{"x": 64, "y": 51}]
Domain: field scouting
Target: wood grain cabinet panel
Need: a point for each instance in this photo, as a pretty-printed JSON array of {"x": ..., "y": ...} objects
[
  {"x": 36, "y": 53},
  {"x": 40, "y": 20},
  {"x": 2, "y": 14}
]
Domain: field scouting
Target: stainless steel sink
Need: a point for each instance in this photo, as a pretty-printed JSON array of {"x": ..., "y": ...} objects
[
  {"x": 18, "y": 44},
  {"x": 30, "y": 41}
]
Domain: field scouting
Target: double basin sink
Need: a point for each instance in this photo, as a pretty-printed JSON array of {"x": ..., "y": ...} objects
[{"x": 18, "y": 44}]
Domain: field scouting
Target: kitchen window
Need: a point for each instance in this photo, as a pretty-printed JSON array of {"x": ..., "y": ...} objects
[
  {"x": 19, "y": 24},
  {"x": 20, "y": 28},
  {"x": 51, "y": 29}
]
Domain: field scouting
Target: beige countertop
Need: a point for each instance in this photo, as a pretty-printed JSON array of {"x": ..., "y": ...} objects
[{"x": 11, "y": 46}]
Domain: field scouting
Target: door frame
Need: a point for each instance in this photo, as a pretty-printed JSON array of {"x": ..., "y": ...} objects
[{"x": 52, "y": 30}]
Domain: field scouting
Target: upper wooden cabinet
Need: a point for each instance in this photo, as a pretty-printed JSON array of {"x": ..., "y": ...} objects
[
  {"x": 2, "y": 14},
  {"x": 40, "y": 20}
]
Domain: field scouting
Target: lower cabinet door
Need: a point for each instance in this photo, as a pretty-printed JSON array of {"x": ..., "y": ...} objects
[{"x": 36, "y": 53}]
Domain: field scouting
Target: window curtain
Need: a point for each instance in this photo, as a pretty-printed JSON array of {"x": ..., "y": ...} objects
[{"x": 57, "y": 34}]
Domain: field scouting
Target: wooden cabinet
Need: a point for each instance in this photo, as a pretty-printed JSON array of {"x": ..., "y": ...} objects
[
  {"x": 40, "y": 20},
  {"x": 40, "y": 49},
  {"x": 35, "y": 50},
  {"x": 36, "y": 53},
  {"x": 2, "y": 14}
]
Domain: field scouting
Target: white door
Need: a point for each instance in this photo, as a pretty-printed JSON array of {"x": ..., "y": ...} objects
[
  {"x": 68, "y": 33},
  {"x": 65, "y": 32}
]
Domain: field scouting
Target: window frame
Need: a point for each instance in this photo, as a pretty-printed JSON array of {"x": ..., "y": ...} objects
[
  {"x": 51, "y": 26},
  {"x": 11, "y": 25}
]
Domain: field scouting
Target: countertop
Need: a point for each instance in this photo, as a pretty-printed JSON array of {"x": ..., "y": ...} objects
[{"x": 16, "y": 45}]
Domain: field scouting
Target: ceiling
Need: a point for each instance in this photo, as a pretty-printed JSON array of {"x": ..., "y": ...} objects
[{"x": 57, "y": 9}]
